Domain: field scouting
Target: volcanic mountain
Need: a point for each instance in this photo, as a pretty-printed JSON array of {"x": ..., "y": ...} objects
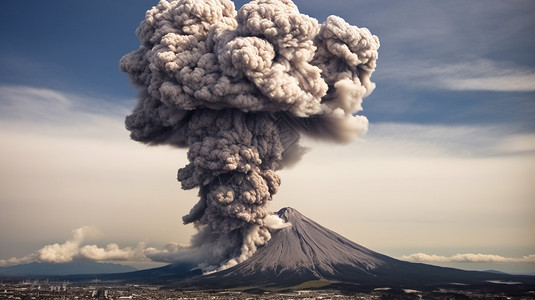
[{"x": 307, "y": 251}]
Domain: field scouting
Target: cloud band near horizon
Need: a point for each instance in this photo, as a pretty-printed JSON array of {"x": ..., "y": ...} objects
[
  {"x": 467, "y": 257},
  {"x": 75, "y": 249}
]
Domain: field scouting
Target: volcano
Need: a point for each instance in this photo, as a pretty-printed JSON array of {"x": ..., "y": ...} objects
[
  {"x": 307, "y": 252},
  {"x": 303, "y": 252}
]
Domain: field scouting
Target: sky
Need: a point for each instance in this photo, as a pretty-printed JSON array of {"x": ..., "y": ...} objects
[{"x": 444, "y": 175}]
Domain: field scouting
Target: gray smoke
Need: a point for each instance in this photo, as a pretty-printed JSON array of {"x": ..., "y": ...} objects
[{"x": 238, "y": 89}]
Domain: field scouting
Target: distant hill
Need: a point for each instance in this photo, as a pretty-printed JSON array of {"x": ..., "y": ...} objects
[
  {"x": 52, "y": 269},
  {"x": 497, "y": 272}
]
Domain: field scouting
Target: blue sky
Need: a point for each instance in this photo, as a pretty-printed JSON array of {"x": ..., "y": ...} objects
[{"x": 445, "y": 169}]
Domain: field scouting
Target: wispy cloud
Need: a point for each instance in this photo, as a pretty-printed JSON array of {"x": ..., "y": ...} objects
[
  {"x": 467, "y": 257},
  {"x": 482, "y": 75},
  {"x": 468, "y": 75},
  {"x": 49, "y": 112},
  {"x": 446, "y": 141},
  {"x": 24, "y": 103}
]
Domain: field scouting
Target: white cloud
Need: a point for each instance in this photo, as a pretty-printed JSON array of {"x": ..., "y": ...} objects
[
  {"x": 77, "y": 249},
  {"x": 112, "y": 252},
  {"x": 47, "y": 112},
  {"x": 417, "y": 140},
  {"x": 482, "y": 75},
  {"x": 467, "y": 257},
  {"x": 27, "y": 103},
  {"x": 517, "y": 143},
  {"x": 468, "y": 75},
  {"x": 74, "y": 250},
  {"x": 65, "y": 252},
  {"x": 517, "y": 81}
]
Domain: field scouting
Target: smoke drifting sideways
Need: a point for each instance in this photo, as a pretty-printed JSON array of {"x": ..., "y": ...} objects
[{"x": 238, "y": 89}]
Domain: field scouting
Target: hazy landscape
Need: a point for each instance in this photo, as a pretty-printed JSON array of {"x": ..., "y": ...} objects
[
  {"x": 304, "y": 261},
  {"x": 405, "y": 127}
]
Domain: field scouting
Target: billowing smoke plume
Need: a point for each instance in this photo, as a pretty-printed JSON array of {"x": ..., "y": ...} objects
[{"x": 237, "y": 89}]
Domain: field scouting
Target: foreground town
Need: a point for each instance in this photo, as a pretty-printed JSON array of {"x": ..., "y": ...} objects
[{"x": 35, "y": 289}]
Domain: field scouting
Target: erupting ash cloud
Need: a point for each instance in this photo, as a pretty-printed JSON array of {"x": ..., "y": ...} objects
[{"x": 238, "y": 89}]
